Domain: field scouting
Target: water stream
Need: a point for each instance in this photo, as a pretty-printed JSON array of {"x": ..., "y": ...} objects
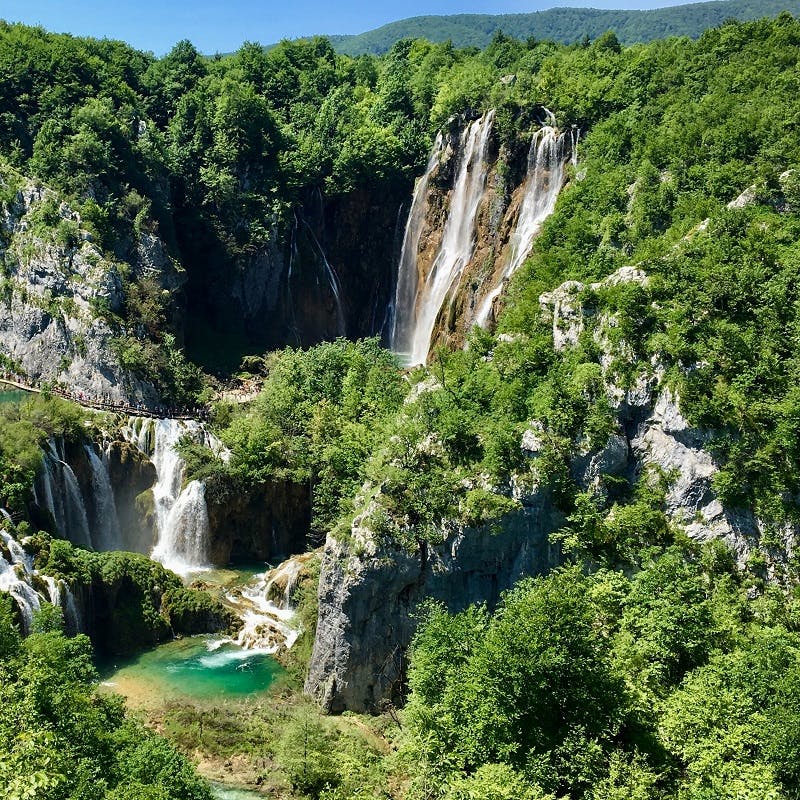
[
  {"x": 545, "y": 176},
  {"x": 416, "y": 316}
]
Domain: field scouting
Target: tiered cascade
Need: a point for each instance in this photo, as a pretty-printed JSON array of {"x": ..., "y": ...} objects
[
  {"x": 28, "y": 589},
  {"x": 266, "y": 607},
  {"x": 181, "y": 515},
  {"x": 416, "y": 311}
]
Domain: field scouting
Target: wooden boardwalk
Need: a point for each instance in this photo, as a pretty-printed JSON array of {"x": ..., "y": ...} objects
[{"x": 101, "y": 405}]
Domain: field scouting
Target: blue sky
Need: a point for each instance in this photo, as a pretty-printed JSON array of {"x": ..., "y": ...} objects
[{"x": 222, "y": 25}]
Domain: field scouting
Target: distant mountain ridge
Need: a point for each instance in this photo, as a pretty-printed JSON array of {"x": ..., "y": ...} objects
[{"x": 565, "y": 25}]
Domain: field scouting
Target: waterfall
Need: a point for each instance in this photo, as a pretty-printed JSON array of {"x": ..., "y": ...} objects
[
  {"x": 265, "y": 608},
  {"x": 455, "y": 250},
  {"x": 19, "y": 579},
  {"x": 406, "y": 291},
  {"x": 57, "y": 490},
  {"x": 183, "y": 541},
  {"x": 333, "y": 282},
  {"x": 16, "y": 572},
  {"x": 60, "y": 595},
  {"x": 181, "y": 514},
  {"x": 545, "y": 177},
  {"x": 105, "y": 525}
]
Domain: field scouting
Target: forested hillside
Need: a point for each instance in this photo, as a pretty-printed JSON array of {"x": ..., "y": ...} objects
[
  {"x": 564, "y": 25},
  {"x": 561, "y": 556}
]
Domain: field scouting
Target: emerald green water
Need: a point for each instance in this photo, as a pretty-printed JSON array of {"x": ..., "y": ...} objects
[
  {"x": 186, "y": 669},
  {"x": 12, "y": 396}
]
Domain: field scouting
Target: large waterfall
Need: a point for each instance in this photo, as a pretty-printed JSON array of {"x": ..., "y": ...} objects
[
  {"x": 416, "y": 311},
  {"x": 406, "y": 293},
  {"x": 546, "y": 161}
]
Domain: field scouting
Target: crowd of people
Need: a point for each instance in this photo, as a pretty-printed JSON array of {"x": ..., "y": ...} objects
[{"x": 104, "y": 402}]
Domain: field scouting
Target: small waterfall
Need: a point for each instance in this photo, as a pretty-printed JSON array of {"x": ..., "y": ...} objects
[
  {"x": 16, "y": 572},
  {"x": 181, "y": 514},
  {"x": 333, "y": 282},
  {"x": 57, "y": 490},
  {"x": 19, "y": 579},
  {"x": 76, "y": 524},
  {"x": 456, "y": 247},
  {"x": 184, "y": 540},
  {"x": 60, "y": 595},
  {"x": 105, "y": 525},
  {"x": 406, "y": 291},
  {"x": 265, "y": 608},
  {"x": 546, "y": 162}
]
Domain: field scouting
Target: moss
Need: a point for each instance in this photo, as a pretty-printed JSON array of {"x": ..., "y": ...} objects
[{"x": 192, "y": 611}]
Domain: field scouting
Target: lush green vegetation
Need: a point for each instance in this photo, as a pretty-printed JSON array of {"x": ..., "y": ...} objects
[
  {"x": 565, "y": 25},
  {"x": 657, "y": 670},
  {"x": 24, "y": 427},
  {"x": 131, "y": 602},
  {"x": 61, "y": 740},
  {"x": 666, "y": 684}
]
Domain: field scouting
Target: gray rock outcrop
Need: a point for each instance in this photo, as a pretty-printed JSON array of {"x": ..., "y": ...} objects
[
  {"x": 59, "y": 295},
  {"x": 371, "y": 590}
]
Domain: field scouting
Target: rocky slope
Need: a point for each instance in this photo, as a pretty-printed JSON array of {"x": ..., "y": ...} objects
[
  {"x": 371, "y": 589},
  {"x": 63, "y": 299}
]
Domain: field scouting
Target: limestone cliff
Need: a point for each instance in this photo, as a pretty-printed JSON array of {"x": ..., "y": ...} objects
[
  {"x": 63, "y": 297},
  {"x": 371, "y": 589},
  {"x": 327, "y": 270}
]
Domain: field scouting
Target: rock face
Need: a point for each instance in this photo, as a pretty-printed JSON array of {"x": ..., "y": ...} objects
[
  {"x": 59, "y": 292},
  {"x": 262, "y": 525},
  {"x": 326, "y": 271},
  {"x": 370, "y": 590}
]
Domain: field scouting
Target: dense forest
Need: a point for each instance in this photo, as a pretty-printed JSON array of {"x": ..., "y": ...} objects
[
  {"x": 563, "y": 25},
  {"x": 649, "y": 664}
]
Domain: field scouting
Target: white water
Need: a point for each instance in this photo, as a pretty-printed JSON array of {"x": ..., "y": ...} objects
[
  {"x": 545, "y": 177},
  {"x": 18, "y": 578},
  {"x": 265, "y": 609},
  {"x": 180, "y": 512},
  {"x": 415, "y": 320},
  {"x": 184, "y": 539},
  {"x": 105, "y": 524},
  {"x": 406, "y": 291}
]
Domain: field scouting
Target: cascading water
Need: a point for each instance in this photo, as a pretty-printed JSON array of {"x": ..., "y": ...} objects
[
  {"x": 406, "y": 291},
  {"x": 265, "y": 608},
  {"x": 57, "y": 490},
  {"x": 416, "y": 312},
  {"x": 18, "y": 578},
  {"x": 105, "y": 524},
  {"x": 545, "y": 177},
  {"x": 180, "y": 513},
  {"x": 185, "y": 536}
]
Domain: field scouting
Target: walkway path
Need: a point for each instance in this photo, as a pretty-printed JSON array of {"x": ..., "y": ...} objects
[{"x": 97, "y": 404}]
